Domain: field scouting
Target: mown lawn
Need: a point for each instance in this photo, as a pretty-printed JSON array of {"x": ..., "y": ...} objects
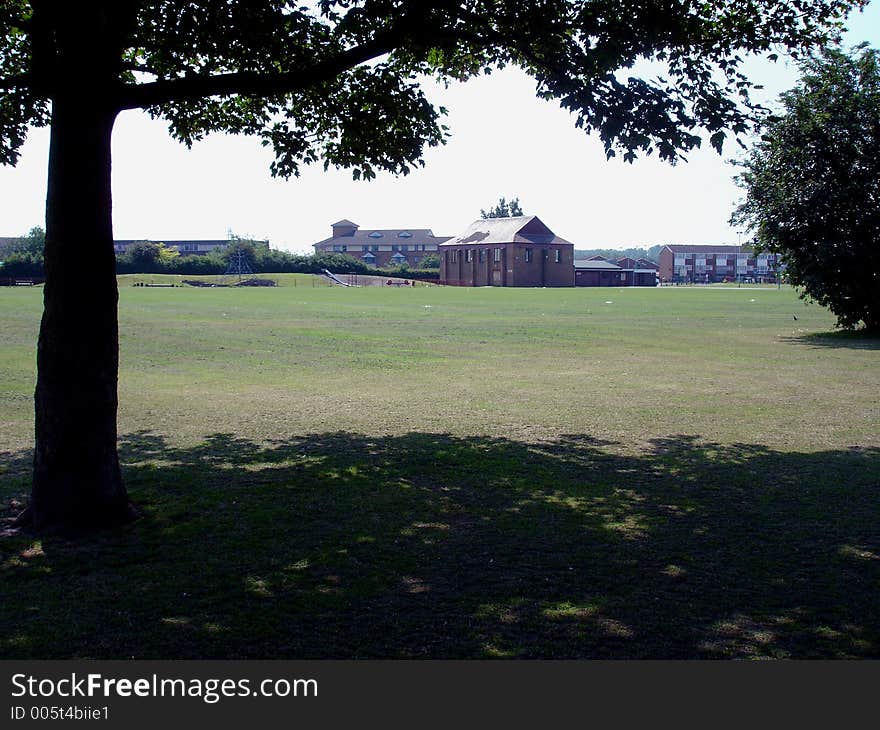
[{"x": 440, "y": 472}]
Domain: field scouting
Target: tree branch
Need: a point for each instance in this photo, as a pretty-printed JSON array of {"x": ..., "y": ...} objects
[
  {"x": 16, "y": 82},
  {"x": 198, "y": 86}
]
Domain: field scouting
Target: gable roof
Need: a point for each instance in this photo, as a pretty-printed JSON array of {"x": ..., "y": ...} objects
[
  {"x": 344, "y": 222},
  {"x": 516, "y": 229},
  {"x": 366, "y": 236},
  {"x": 598, "y": 264}
]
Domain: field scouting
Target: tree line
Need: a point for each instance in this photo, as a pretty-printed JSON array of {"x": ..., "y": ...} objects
[{"x": 23, "y": 257}]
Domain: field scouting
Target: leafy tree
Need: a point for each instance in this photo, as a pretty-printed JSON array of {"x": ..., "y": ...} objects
[
  {"x": 503, "y": 209},
  {"x": 430, "y": 261},
  {"x": 813, "y": 185},
  {"x": 333, "y": 82},
  {"x": 31, "y": 243},
  {"x": 653, "y": 253},
  {"x": 167, "y": 255},
  {"x": 23, "y": 264},
  {"x": 143, "y": 257},
  {"x": 612, "y": 254}
]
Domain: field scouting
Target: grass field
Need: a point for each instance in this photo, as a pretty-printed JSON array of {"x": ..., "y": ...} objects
[{"x": 443, "y": 472}]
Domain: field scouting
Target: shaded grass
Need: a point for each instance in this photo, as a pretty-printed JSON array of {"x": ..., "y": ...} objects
[{"x": 429, "y": 545}]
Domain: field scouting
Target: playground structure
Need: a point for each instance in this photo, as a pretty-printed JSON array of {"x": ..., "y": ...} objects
[{"x": 335, "y": 279}]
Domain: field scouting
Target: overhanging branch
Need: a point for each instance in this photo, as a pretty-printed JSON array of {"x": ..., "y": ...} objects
[
  {"x": 265, "y": 84},
  {"x": 20, "y": 81}
]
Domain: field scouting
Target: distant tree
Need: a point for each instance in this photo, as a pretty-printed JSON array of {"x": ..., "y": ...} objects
[
  {"x": 653, "y": 253},
  {"x": 335, "y": 81},
  {"x": 503, "y": 209},
  {"x": 32, "y": 244},
  {"x": 143, "y": 256},
  {"x": 612, "y": 254},
  {"x": 430, "y": 261},
  {"x": 167, "y": 255},
  {"x": 813, "y": 186}
]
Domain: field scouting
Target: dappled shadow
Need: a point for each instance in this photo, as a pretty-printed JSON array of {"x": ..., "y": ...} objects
[
  {"x": 840, "y": 339},
  {"x": 344, "y": 545}
]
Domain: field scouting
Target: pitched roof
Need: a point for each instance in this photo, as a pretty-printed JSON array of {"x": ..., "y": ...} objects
[
  {"x": 596, "y": 264},
  {"x": 366, "y": 236},
  {"x": 516, "y": 229},
  {"x": 344, "y": 222},
  {"x": 687, "y": 248}
]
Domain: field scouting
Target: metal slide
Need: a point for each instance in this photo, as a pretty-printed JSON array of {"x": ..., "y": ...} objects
[{"x": 335, "y": 279}]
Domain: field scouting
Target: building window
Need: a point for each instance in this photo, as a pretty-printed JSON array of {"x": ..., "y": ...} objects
[
  {"x": 497, "y": 255},
  {"x": 557, "y": 255},
  {"x": 469, "y": 255},
  {"x": 375, "y": 234},
  {"x": 454, "y": 258},
  {"x": 482, "y": 255},
  {"x": 340, "y": 249},
  {"x": 404, "y": 234},
  {"x": 528, "y": 255}
]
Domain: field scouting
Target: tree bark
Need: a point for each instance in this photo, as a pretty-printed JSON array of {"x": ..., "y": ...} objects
[{"x": 77, "y": 480}]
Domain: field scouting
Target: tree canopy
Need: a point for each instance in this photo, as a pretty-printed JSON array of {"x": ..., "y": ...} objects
[
  {"x": 338, "y": 81},
  {"x": 503, "y": 209},
  {"x": 813, "y": 185}
]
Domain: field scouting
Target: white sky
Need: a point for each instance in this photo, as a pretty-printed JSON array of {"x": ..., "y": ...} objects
[{"x": 504, "y": 142}]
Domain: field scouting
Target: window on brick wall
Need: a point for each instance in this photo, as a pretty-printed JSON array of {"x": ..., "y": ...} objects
[
  {"x": 528, "y": 255},
  {"x": 557, "y": 255},
  {"x": 497, "y": 255}
]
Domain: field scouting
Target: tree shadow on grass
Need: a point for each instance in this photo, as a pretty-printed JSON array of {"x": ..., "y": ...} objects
[
  {"x": 838, "y": 339},
  {"x": 343, "y": 545}
]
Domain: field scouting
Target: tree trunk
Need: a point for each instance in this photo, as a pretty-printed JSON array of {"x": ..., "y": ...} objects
[{"x": 77, "y": 480}]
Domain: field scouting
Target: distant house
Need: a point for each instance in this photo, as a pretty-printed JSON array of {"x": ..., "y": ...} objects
[
  {"x": 599, "y": 271},
  {"x": 684, "y": 264},
  {"x": 185, "y": 248},
  {"x": 516, "y": 251},
  {"x": 381, "y": 247}
]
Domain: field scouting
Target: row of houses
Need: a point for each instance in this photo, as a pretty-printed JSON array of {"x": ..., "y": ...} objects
[{"x": 682, "y": 264}]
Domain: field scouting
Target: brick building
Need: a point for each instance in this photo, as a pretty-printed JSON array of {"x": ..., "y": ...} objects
[
  {"x": 599, "y": 271},
  {"x": 516, "y": 251},
  {"x": 683, "y": 264},
  {"x": 381, "y": 246}
]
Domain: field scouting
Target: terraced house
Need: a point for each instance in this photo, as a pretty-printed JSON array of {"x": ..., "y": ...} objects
[
  {"x": 381, "y": 246},
  {"x": 684, "y": 264}
]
